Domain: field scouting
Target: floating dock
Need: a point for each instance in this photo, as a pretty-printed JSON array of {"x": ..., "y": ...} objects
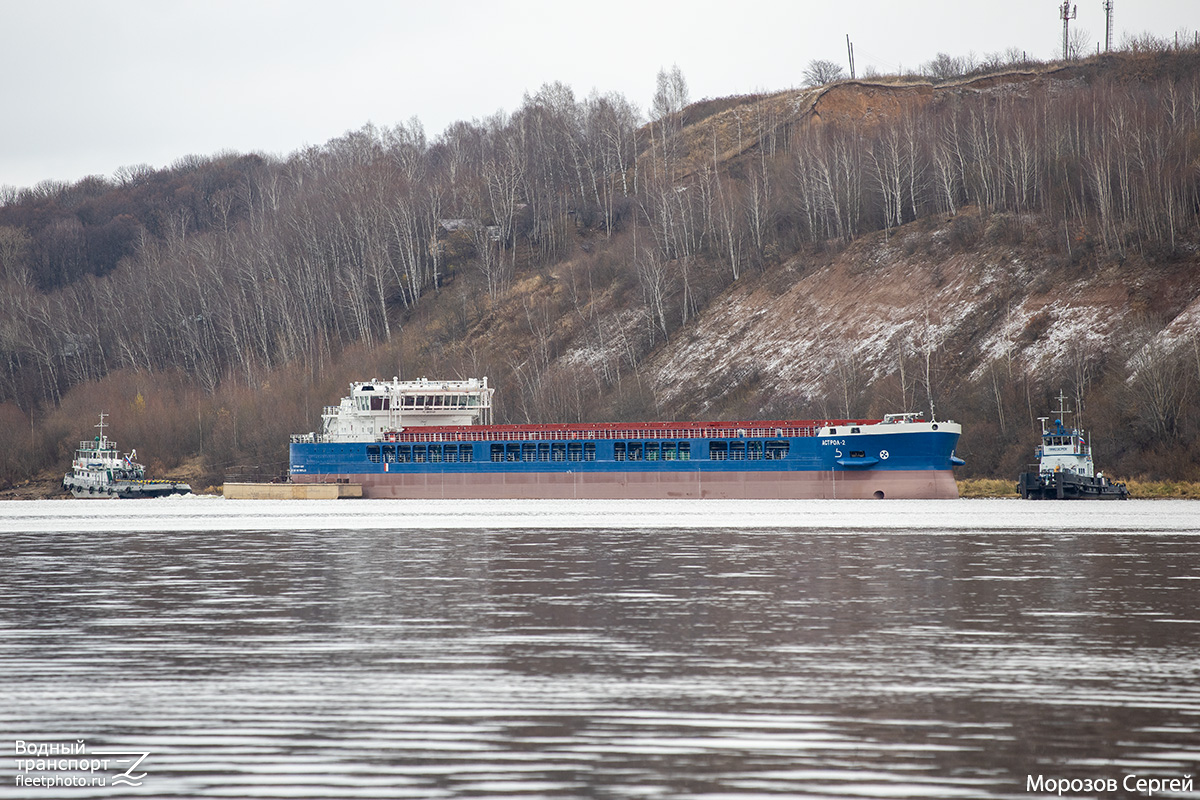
[{"x": 291, "y": 491}]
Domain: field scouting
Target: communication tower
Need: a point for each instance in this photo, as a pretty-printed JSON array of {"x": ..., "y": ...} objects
[
  {"x": 1068, "y": 12},
  {"x": 1108, "y": 9}
]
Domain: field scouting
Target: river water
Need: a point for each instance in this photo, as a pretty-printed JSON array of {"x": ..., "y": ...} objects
[{"x": 575, "y": 649}]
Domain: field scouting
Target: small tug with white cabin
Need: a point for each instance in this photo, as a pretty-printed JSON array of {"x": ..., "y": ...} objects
[
  {"x": 1065, "y": 468},
  {"x": 100, "y": 471}
]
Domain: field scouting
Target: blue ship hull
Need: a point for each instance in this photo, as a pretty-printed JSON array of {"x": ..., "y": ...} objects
[{"x": 847, "y": 460}]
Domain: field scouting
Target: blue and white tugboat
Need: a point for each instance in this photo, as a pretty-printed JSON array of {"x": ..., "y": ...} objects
[
  {"x": 1065, "y": 469},
  {"x": 99, "y": 471}
]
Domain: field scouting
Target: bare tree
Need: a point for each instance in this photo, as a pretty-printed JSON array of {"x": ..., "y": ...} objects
[
  {"x": 671, "y": 94},
  {"x": 944, "y": 67},
  {"x": 820, "y": 72}
]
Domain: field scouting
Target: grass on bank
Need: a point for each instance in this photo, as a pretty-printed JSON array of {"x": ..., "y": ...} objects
[{"x": 1138, "y": 489}]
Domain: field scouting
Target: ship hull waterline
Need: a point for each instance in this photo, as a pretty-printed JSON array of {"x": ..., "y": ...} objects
[{"x": 798, "y": 485}]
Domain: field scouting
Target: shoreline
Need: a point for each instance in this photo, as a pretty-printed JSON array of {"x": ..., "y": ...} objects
[{"x": 50, "y": 488}]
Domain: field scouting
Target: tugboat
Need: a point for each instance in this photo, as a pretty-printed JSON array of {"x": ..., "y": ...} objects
[
  {"x": 1065, "y": 470},
  {"x": 99, "y": 471}
]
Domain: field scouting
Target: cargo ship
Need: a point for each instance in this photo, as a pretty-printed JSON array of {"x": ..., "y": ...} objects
[{"x": 437, "y": 439}]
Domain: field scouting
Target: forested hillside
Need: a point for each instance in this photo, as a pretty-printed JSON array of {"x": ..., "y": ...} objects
[{"x": 974, "y": 245}]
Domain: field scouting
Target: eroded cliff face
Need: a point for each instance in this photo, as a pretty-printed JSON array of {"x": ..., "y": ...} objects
[{"x": 861, "y": 331}]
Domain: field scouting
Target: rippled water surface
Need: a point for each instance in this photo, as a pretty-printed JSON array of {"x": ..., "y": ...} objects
[{"x": 599, "y": 650}]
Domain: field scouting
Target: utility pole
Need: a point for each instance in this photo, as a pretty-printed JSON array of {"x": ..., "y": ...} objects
[
  {"x": 850, "y": 53},
  {"x": 1068, "y": 13},
  {"x": 1108, "y": 9}
]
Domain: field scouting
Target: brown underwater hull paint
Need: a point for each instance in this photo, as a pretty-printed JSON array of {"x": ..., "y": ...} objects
[{"x": 807, "y": 485}]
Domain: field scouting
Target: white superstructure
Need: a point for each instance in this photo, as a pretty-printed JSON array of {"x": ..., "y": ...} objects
[
  {"x": 1063, "y": 448},
  {"x": 375, "y": 409}
]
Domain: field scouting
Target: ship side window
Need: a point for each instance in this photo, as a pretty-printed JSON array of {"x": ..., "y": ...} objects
[
  {"x": 589, "y": 451},
  {"x": 652, "y": 451},
  {"x": 753, "y": 451},
  {"x": 373, "y": 454},
  {"x": 404, "y": 454},
  {"x": 435, "y": 452},
  {"x": 409, "y": 401},
  {"x": 419, "y": 453},
  {"x": 833, "y": 431},
  {"x": 450, "y": 453},
  {"x": 777, "y": 450},
  {"x": 685, "y": 451},
  {"x": 377, "y": 404},
  {"x": 737, "y": 451},
  {"x": 529, "y": 452},
  {"x": 668, "y": 451},
  {"x": 858, "y": 454},
  {"x": 512, "y": 452},
  {"x": 855, "y": 430},
  {"x": 544, "y": 451},
  {"x": 635, "y": 451},
  {"x": 574, "y": 451},
  {"x": 718, "y": 451},
  {"x": 559, "y": 452},
  {"x": 465, "y": 453},
  {"x": 389, "y": 453},
  {"x": 497, "y": 452},
  {"x": 618, "y": 451}
]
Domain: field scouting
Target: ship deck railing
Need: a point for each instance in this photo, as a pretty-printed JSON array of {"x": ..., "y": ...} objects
[{"x": 497, "y": 434}]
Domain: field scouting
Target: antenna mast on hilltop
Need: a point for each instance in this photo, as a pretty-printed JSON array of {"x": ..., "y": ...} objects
[
  {"x": 1108, "y": 8},
  {"x": 1068, "y": 13}
]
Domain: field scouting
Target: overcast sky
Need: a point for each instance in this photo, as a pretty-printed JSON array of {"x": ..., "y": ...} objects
[{"x": 89, "y": 86}]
